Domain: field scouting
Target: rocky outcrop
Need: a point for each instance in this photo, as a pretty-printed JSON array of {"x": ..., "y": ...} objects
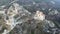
[{"x": 29, "y": 17}]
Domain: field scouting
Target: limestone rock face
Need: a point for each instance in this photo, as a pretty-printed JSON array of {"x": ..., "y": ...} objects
[
  {"x": 39, "y": 15},
  {"x": 29, "y": 17},
  {"x": 14, "y": 15}
]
